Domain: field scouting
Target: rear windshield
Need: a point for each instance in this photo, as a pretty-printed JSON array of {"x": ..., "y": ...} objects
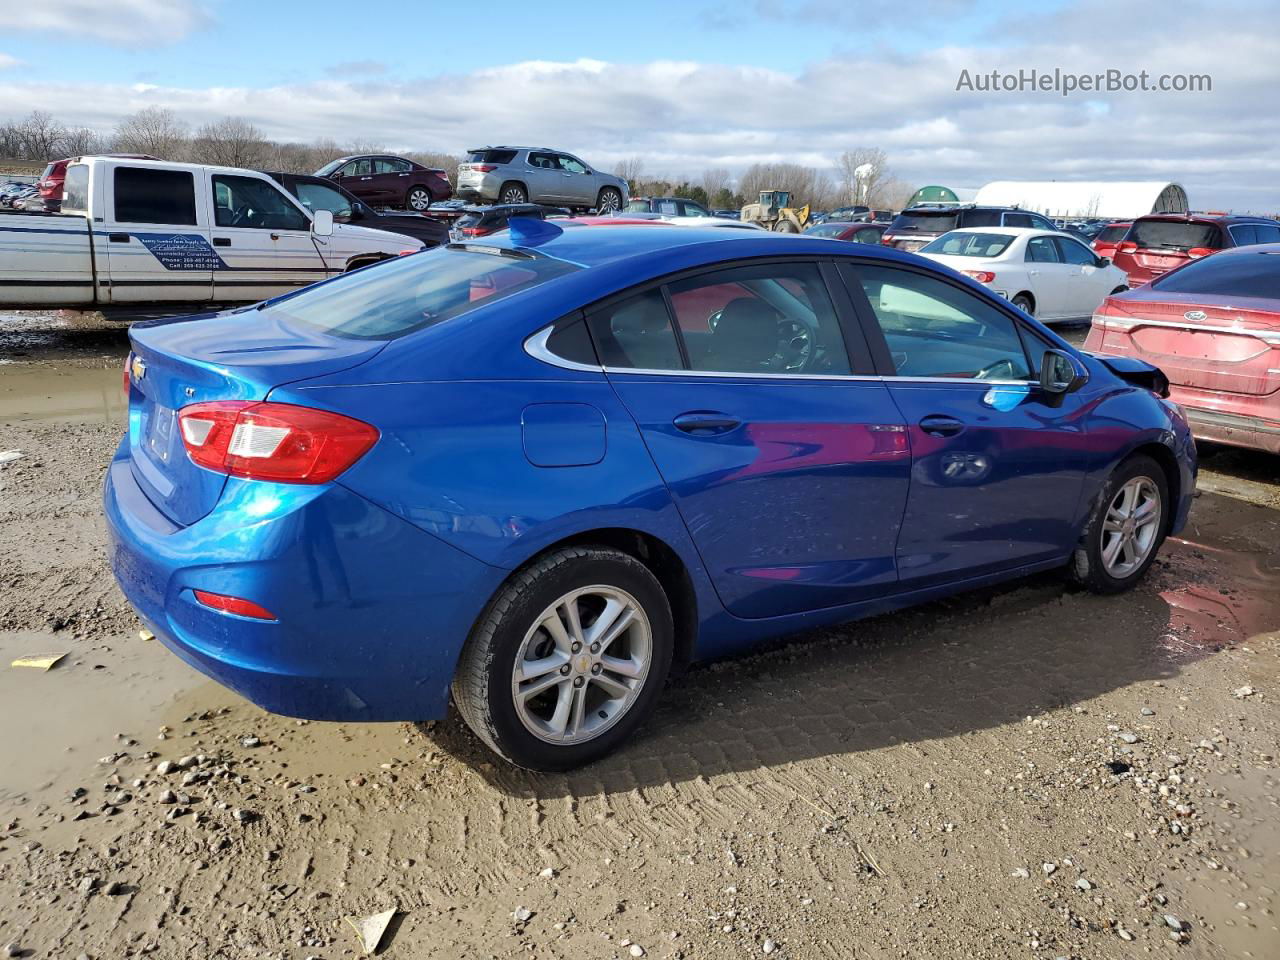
[
  {"x": 412, "y": 292},
  {"x": 1111, "y": 234},
  {"x": 638, "y": 206},
  {"x": 1172, "y": 235},
  {"x": 491, "y": 156},
  {"x": 1253, "y": 275},
  {"x": 960, "y": 243},
  {"x": 939, "y": 222}
]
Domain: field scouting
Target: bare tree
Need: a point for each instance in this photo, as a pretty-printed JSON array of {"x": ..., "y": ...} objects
[
  {"x": 154, "y": 131},
  {"x": 630, "y": 170},
  {"x": 41, "y": 137},
  {"x": 807, "y": 185},
  {"x": 82, "y": 142},
  {"x": 874, "y": 165},
  {"x": 10, "y": 140},
  {"x": 230, "y": 142},
  {"x": 715, "y": 179}
]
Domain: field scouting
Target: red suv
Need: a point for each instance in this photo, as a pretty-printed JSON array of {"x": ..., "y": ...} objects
[
  {"x": 49, "y": 186},
  {"x": 1160, "y": 242},
  {"x": 1109, "y": 237},
  {"x": 381, "y": 180}
]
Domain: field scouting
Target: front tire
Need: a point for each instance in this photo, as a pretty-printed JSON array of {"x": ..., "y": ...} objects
[
  {"x": 609, "y": 201},
  {"x": 418, "y": 198},
  {"x": 1126, "y": 528},
  {"x": 567, "y": 660},
  {"x": 785, "y": 226}
]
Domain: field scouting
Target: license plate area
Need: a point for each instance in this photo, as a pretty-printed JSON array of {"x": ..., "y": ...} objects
[{"x": 160, "y": 429}]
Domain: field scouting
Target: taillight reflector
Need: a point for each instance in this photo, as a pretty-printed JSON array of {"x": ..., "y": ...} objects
[
  {"x": 282, "y": 442},
  {"x": 483, "y": 167},
  {"x": 237, "y": 605},
  {"x": 982, "y": 276}
]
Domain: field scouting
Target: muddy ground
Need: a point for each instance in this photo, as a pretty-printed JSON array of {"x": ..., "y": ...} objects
[{"x": 1024, "y": 772}]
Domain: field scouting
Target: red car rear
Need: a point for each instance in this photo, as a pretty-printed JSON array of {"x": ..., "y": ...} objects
[
  {"x": 50, "y": 183},
  {"x": 1162, "y": 242},
  {"x": 1213, "y": 327},
  {"x": 1109, "y": 237}
]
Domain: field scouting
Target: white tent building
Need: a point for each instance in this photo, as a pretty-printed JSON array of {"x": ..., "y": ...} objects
[{"x": 1109, "y": 200}]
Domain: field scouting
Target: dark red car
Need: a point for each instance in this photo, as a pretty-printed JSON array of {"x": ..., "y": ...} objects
[
  {"x": 49, "y": 186},
  {"x": 1213, "y": 327},
  {"x": 1160, "y": 242},
  {"x": 382, "y": 180},
  {"x": 1109, "y": 237}
]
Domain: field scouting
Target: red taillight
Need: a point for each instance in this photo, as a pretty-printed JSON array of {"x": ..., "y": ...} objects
[
  {"x": 1127, "y": 247},
  {"x": 483, "y": 167},
  {"x": 237, "y": 605},
  {"x": 472, "y": 232},
  {"x": 273, "y": 441},
  {"x": 128, "y": 374},
  {"x": 887, "y": 241},
  {"x": 1195, "y": 253},
  {"x": 982, "y": 276}
]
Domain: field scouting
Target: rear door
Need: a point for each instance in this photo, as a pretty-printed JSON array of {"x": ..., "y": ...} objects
[
  {"x": 789, "y": 469},
  {"x": 156, "y": 234},
  {"x": 543, "y": 177},
  {"x": 263, "y": 239},
  {"x": 390, "y": 180},
  {"x": 996, "y": 469},
  {"x": 1087, "y": 283},
  {"x": 1050, "y": 277}
]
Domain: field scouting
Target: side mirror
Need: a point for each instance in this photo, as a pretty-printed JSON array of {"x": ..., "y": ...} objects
[
  {"x": 322, "y": 223},
  {"x": 359, "y": 211},
  {"x": 1061, "y": 373},
  {"x": 1103, "y": 261}
]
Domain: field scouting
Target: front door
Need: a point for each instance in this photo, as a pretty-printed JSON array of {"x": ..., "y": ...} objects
[
  {"x": 791, "y": 474},
  {"x": 156, "y": 237},
  {"x": 1087, "y": 283},
  {"x": 578, "y": 182},
  {"x": 263, "y": 239},
  {"x": 1050, "y": 278},
  {"x": 997, "y": 468}
]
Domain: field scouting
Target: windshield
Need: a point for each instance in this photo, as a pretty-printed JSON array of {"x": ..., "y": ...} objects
[
  {"x": 1254, "y": 275},
  {"x": 939, "y": 222},
  {"x": 961, "y": 243},
  {"x": 416, "y": 291},
  {"x": 329, "y": 167},
  {"x": 1172, "y": 235}
]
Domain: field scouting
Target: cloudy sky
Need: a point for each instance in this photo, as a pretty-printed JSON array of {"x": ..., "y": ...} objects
[{"x": 690, "y": 84}]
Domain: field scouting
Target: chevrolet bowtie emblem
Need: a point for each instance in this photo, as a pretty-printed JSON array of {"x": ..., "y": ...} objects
[{"x": 138, "y": 368}]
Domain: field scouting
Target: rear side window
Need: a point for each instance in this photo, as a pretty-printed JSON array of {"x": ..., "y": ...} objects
[
  {"x": 1254, "y": 274},
  {"x": 933, "y": 329},
  {"x": 636, "y": 334},
  {"x": 155, "y": 196},
  {"x": 1172, "y": 235},
  {"x": 75, "y": 189},
  {"x": 390, "y": 165},
  {"x": 1017, "y": 220},
  {"x": 417, "y": 291},
  {"x": 961, "y": 243},
  {"x": 491, "y": 156},
  {"x": 924, "y": 223},
  {"x": 980, "y": 218}
]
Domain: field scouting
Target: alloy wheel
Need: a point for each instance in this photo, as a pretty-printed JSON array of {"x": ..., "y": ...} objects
[
  {"x": 582, "y": 664},
  {"x": 419, "y": 199},
  {"x": 1131, "y": 527},
  {"x": 609, "y": 202}
]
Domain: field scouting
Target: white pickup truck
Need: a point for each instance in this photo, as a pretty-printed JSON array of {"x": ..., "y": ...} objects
[{"x": 146, "y": 233}]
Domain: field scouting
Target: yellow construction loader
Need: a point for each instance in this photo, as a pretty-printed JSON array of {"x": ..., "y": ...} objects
[{"x": 774, "y": 212}]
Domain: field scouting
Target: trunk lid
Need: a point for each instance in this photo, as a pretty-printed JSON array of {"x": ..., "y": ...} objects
[
  {"x": 238, "y": 355},
  {"x": 1222, "y": 346}
]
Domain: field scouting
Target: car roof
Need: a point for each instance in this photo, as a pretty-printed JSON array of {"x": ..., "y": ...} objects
[
  {"x": 1206, "y": 218},
  {"x": 1015, "y": 231}
]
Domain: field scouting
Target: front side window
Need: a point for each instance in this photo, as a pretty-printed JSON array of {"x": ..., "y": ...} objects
[
  {"x": 933, "y": 329},
  {"x": 145, "y": 195},
  {"x": 571, "y": 165},
  {"x": 636, "y": 334},
  {"x": 774, "y": 318},
  {"x": 1267, "y": 232},
  {"x": 1074, "y": 252},
  {"x": 358, "y": 168},
  {"x": 316, "y": 196},
  {"x": 1042, "y": 250},
  {"x": 250, "y": 202}
]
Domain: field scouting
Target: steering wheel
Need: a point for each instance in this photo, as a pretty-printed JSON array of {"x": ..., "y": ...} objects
[
  {"x": 1000, "y": 370},
  {"x": 797, "y": 344}
]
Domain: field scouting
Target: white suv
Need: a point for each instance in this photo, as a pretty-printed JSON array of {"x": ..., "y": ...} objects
[{"x": 538, "y": 175}]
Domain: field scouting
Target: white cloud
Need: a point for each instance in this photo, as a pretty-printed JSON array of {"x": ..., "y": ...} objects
[
  {"x": 682, "y": 117},
  {"x": 7, "y": 61},
  {"x": 125, "y": 23}
]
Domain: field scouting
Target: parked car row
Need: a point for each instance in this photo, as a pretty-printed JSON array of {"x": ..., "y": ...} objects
[{"x": 15, "y": 195}]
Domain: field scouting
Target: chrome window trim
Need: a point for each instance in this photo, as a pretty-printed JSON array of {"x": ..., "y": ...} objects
[
  {"x": 1106, "y": 320},
  {"x": 536, "y": 347}
]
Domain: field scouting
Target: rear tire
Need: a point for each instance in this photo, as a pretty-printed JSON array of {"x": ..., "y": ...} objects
[
  {"x": 542, "y": 699},
  {"x": 418, "y": 198},
  {"x": 1024, "y": 303},
  {"x": 513, "y": 192},
  {"x": 1125, "y": 529}
]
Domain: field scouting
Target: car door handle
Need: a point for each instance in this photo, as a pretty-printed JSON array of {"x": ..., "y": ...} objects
[
  {"x": 937, "y": 425},
  {"x": 1033, "y": 273},
  {"x": 118, "y": 237},
  {"x": 705, "y": 422},
  {"x": 222, "y": 241}
]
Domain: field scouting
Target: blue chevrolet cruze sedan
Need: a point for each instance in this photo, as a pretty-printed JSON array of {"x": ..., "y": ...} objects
[{"x": 542, "y": 472}]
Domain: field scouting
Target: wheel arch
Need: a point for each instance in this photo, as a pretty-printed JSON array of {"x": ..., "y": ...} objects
[
  {"x": 519, "y": 183},
  {"x": 1029, "y": 295},
  {"x": 1168, "y": 463},
  {"x": 361, "y": 260}
]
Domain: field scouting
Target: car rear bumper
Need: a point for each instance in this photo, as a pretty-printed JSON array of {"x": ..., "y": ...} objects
[
  {"x": 371, "y": 611},
  {"x": 1259, "y": 431}
]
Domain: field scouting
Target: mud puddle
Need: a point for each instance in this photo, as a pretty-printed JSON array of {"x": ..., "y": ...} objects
[{"x": 37, "y": 393}]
